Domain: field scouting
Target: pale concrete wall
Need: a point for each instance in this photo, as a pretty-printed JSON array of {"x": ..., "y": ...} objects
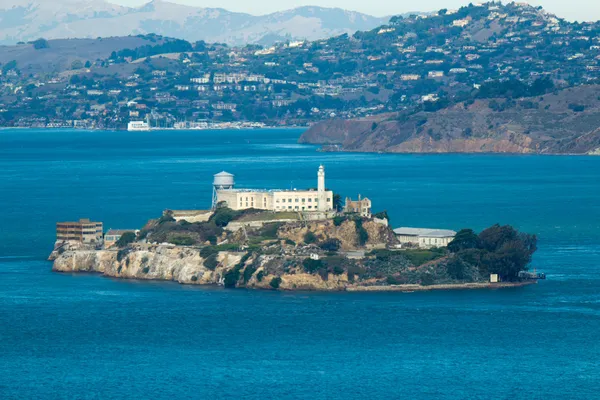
[
  {"x": 292, "y": 200},
  {"x": 301, "y": 200},
  {"x": 426, "y": 242}
]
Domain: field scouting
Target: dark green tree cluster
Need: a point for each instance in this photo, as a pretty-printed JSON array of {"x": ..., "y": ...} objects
[
  {"x": 126, "y": 239},
  {"x": 498, "y": 250}
]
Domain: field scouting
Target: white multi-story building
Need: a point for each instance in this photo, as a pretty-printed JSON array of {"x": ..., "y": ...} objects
[{"x": 319, "y": 200}]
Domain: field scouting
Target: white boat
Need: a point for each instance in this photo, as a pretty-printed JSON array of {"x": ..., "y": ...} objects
[{"x": 138, "y": 126}]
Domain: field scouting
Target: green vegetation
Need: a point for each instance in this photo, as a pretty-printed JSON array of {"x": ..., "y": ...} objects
[
  {"x": 126, "y": 239},
  {"x": 211, "y": 261},
  {"x": 170, "y": 46},
  {"x": 337, "y": 202},
  {"x": 310, "y": 238},
  {"x": 420, "y": 257},
  {"x": 122, "y": 254},
  {"x": 275, "y": 283},
  {"x": 498, "y": 250},
  {"x": 464, "y": 239},
  {"x": 339, "y": 220},
  {"x": 223, "y": 216},
  {"x": 249, "y": 272},
  {"x": 182, "y": 240},
  {"x": 40, "y": 44},
  {"x": 311, "y": 266},
  {"x": 363, "y": 235},
  {"x": 331, "y": 245},
  {"x": 233, "y": 276},
  {"x": 382, "y": 215},
  {"x": 9, "y": 66}
]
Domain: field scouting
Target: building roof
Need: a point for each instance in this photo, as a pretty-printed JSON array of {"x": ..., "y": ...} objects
[
  {"x": 425, "y": 232},
  {"x": 242, "y": 190},
  {"x": 81, "y": 221},
  {"x": 180, "y": 213},
  {"x": 116, "y": 232},
  {"x": 223, "y": 173}
]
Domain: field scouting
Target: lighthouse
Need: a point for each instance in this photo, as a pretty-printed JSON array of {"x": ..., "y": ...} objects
[{"x": 322, "y": 194}]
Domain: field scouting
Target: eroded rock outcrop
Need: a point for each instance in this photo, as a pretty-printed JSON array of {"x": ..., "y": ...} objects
[
  {"x": 185, "y": 265},
  {"x": 379, "y": 235}
]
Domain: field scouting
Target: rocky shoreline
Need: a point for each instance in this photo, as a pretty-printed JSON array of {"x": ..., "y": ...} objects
[{"x": 185, "y": 266}]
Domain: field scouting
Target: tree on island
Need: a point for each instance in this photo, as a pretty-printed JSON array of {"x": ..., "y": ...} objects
[
  {"x": 498, "y": 250},
  {"x": 126, "y": 239}
]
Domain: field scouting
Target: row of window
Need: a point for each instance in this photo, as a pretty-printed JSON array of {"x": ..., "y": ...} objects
[
  {"x": 294, "y": 207},
  {"x": 296, "y": 200}
]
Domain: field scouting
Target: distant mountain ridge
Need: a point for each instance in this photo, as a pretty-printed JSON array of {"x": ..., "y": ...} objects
[{"x": 26, "y": 20}]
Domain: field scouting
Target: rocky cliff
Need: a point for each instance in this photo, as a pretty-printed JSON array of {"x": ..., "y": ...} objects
[
  {"x": 564, "y": 122},
  {"x": 346, "y": 232},
  {"x": 185, "y": 265}
]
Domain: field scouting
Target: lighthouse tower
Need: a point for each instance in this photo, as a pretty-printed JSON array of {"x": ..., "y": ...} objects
[{"x": 322, "y": 195}]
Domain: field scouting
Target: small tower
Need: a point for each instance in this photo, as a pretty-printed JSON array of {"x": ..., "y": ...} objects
[
  {"x": 322, "y": 196},
  {"x": 223, "y": 181}
]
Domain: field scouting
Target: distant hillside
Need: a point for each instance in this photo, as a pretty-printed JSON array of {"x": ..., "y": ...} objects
[
  {"x": 26, "y": 20},
  {"x": 58, "y": 55},
  {"x": 563, "y": 122}
]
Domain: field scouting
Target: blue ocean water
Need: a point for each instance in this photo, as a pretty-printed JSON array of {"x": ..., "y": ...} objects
[{"x": 85, "y": 336}]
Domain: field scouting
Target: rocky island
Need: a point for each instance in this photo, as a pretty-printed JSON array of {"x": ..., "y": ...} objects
[
  {"x": 280, "y": 251},
  {"x": 295, "y": 240}
]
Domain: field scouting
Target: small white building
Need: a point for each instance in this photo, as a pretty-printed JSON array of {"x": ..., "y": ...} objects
[{"x": 424, "y": 238}]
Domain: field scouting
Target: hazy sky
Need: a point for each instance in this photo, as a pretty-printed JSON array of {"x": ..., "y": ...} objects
[{"x": 569, "y": 9}]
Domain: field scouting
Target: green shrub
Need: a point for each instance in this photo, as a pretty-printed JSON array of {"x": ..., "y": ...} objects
[
  {"x": 269, "y": 231},
  {"x": 232, "y": 277},
  {"x": 182, "y": 240},
  {"x": 311, "y": 266},
  {"x": 382, "y": 215},
  {"x": 260, "y": 276},
  {"x": 146, "y": 270},
  {"x": 194, "y": 278},
  {"x": 427, "y": 279},
  {"x": 275, "y": 283},
  {"x": 310, "y": 238},
  {"x": 363, "y": 235},
  {"x": 248, "y": 272},
  {"x": 126, "y": 239},
  {"x": 331, "y": 245},
  {"x": 122, "y": 254},
  {"x": 207, "y": 251},
  {"x": 335, "y": 262},
  {"x": 223, "y": 216},
  {"x": 211, "y": 262},
  {"x": 354, "y": 271},
  {"x": 420, "y": 257},
  {"x": 338, "y": 270},
  {"x": 339, "y": 220},
  {"x": 395, "y": 280},
  {"x": 166, "y": 218},
  {"x": 212, "y": 239},
  {"x": 40, "y": 44},
  {"x": 290, "y": 242}
]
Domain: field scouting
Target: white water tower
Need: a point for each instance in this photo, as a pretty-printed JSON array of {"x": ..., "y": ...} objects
[{"x": 223, "y": 181}]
